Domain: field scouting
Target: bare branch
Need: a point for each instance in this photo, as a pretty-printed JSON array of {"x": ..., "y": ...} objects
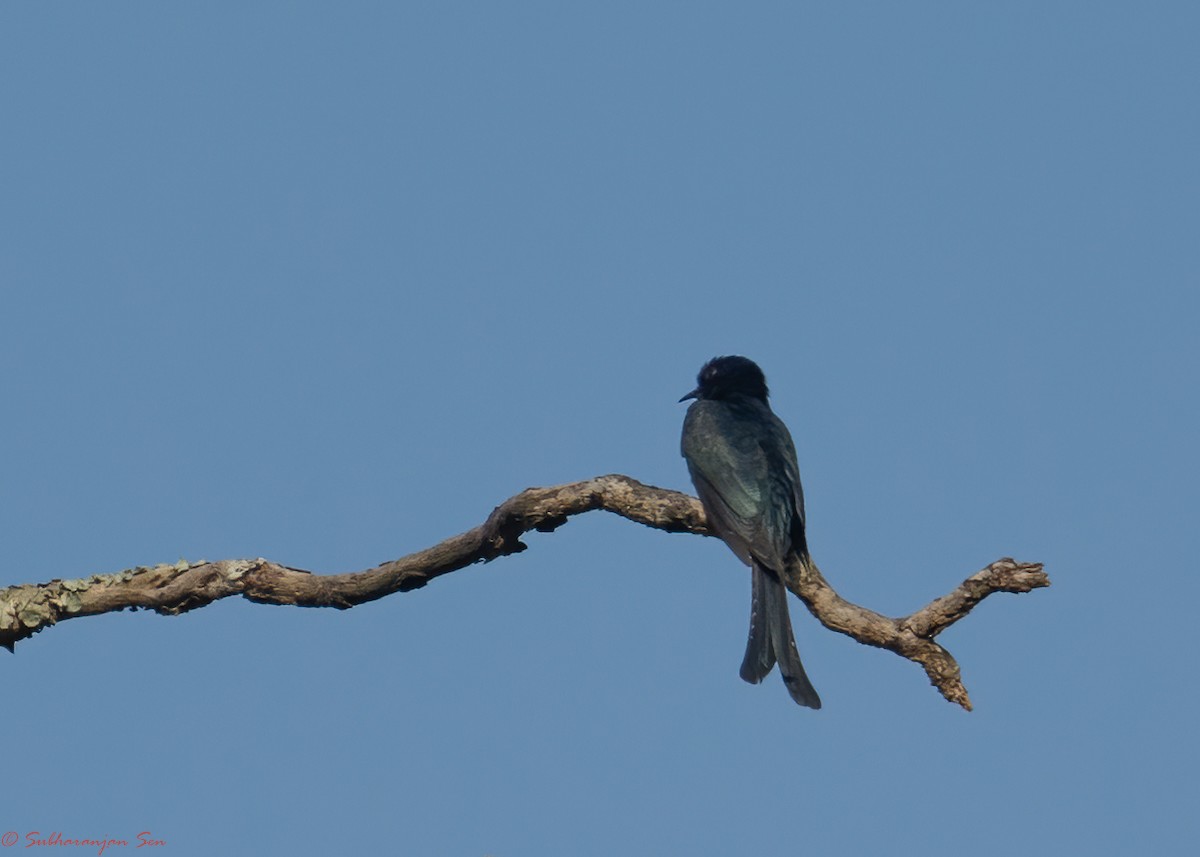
[
  {"x": 912, "y": 636},
  {"x": 173, "y": 589}
]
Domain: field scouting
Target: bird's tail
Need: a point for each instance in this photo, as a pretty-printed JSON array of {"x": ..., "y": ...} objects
[{"x": 771, "y": 639}]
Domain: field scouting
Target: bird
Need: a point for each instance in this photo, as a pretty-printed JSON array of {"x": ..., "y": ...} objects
[{"x": 743, "y": 463}]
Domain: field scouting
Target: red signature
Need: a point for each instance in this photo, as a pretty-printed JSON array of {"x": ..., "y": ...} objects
[{"x": 34, "y": 838}]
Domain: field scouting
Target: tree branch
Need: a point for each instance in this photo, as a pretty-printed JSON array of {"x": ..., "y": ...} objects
[{"x": 173, "y": 589}]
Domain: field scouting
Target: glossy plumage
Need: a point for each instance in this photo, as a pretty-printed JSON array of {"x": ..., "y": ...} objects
[{"x": 743, "y": 464}]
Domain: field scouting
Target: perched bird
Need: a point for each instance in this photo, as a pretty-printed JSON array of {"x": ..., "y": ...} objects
[{"x": 743, "y": 464}]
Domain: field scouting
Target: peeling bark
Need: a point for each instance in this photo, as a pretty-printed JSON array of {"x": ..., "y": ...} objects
[{"x": 173, "y": 589}]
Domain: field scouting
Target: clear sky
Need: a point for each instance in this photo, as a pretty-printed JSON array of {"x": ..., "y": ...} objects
[{"x": 326, "y": 282}]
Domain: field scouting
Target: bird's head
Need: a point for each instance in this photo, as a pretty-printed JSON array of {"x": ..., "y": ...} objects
[{"x": 723, "y": 377}]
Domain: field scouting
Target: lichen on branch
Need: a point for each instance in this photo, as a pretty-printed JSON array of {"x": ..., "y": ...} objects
[{"x": 172, "y": 589}]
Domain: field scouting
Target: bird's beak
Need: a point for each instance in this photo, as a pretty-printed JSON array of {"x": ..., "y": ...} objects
[{"x": 695, "y": 394}]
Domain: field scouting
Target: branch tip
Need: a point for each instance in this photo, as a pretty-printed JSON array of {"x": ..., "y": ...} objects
[{"x": 184, "y": 586}]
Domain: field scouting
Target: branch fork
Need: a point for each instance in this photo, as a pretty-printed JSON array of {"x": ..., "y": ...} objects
[{"x": 173, "y": 589}]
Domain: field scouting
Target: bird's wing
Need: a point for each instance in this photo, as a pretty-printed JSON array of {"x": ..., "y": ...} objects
[
  {"x": 743, "y": 465},
  {"x": 729, "y": 522},
  {"x": 786, "y": 501},
  {"x": 752, "y": 510}
]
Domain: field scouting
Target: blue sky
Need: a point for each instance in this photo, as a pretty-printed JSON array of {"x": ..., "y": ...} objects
[{"x": 326, "y": 283}]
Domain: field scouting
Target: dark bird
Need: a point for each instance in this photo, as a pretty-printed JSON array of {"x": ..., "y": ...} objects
[{"x": 743, "y": 464}]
